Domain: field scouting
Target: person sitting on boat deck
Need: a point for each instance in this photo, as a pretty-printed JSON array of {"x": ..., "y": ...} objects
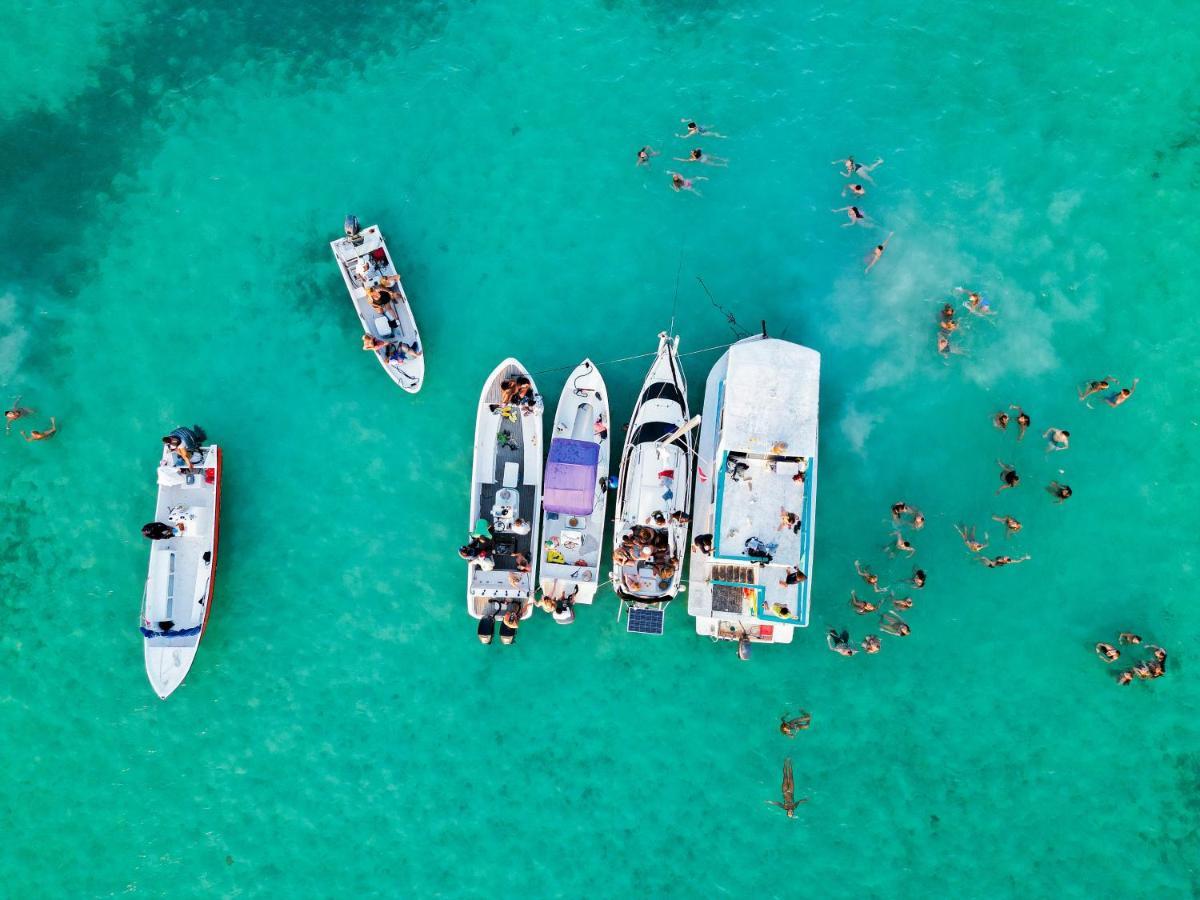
[
  {"x": 781, "y": 611},
  {"x": 679, "y": 517},
  {"x": 792, "y": 575},
  {"x": 182, "y": 443},
  {"x": 483, "y": 559},
  {"x": 788, "y": 521},
  {"x": 657, "y": 519},
  {"x": 703, "y": 543},
  {"x": 520, "y": 526},
  {"x": 525, "y": 398},
  {"x": 521, "y": 561},
  {"x": 160, "y": 531},
  {"x": 599, "y": 428},
  {"x": 487, "y": 628},
  {"x": 372, "y": 343},
  {"x": 384, "y": 298},
  {"x": 736, "y": 469},
  {"x": 400, "y": 352}
]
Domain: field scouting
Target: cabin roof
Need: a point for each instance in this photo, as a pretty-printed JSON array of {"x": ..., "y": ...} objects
[{"x": 771, "y": 398}]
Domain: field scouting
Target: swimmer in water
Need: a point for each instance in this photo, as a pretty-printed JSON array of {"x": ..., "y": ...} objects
[
  {"x": 17, "y": 412},
  {"x": 35, "y": 435},
  {"x": 902, "y": 602},
  {"x": 1008, "y": 477},
  {"x": 1121, "y": 396},
  {"x": 899, "y": 510},
  {"x": 877, "y": 252},
  {"x": 643, "y": 155},
  {"x": 854, "y": 214},
  {"x": 789, "y": 726},
  {"x": 1011, "y": 525},
  {"x": 894, "y": 625},
  {"x": 917, "y": 580},
  {"x": 700, "y": 156},
  {"x": 679, "y": 183},
  {"x": 1060, "y": 492},
  {"x": 1057, "y": 439},
  {"x": 839, "y": 642},
  {"x": 862, "y": 607},
  {"x": 856, "y": 189},
  {"x": 947, "y": 322},
  {"x": 693, "y": 130},
  {"x": 967, "y": 533},
  {"x": 1128, "y": 637},
  {"x": 872, "y": 644},
  {"x": 869, "y": 577},
  {"x": 1000, "y": 562},
  {"x": 851, "y": 167},
  {"x": 1125, "y": 677},
  {"x": 900, "y": 545},
  {"x": 1107, "y": 652},
  {"x": 1022, "y": 421},
  {"x": 975, "y": 303},
  {"x": 789, "y": 803},
  {"x": 1096, "y": 387},
  {"x": 1000, "y": 420}
]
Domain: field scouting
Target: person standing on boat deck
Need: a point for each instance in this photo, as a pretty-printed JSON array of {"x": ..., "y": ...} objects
[
  {"x": 17, "y": 412},
  {"x": 703, "y": 543},
  {"x": 700, "y": 156},
  {"x": 511, "y": 622},
  {"x": 384, "y": 300},
  {"x": 694, "y": 130},
  {"x": 679, "y": 517},
  {"x": 643, "y": 155},
  {"x": 483, "y": 559},
  {"x": 35, "y": 435}
]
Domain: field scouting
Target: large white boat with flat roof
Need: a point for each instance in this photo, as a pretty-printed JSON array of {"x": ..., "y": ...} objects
[
  {"x": 750, "y": 575},
  {"x": 506, "y": 492},
  {"x": 575, "y": 494},
  {"x": 654, "y": 492}
]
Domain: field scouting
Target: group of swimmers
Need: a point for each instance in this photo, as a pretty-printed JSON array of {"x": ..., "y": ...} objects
[
  {"x": 20, "y": 412},
  {"x": 696, "y": 155},
  {"x": 1155, "y": 667},
  {"x": 857, "y": 173},
  {"x": 904, "y": 516},
  {"x": 948, "y": 322}
]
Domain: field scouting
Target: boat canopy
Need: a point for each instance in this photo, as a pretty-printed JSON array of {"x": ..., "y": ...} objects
[
  {"x": 570, "y": 486},
  {"x": 771, "y": 398}
]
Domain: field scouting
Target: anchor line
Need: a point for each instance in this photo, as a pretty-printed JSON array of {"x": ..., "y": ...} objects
[
  {"x": 609, "y": 362},
  {"x": 730, "y": 319}
]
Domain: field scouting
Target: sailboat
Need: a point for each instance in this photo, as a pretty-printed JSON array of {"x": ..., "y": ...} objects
[
  {"x": 576, "y": 493},
  {"x": 654, "y": 493}
]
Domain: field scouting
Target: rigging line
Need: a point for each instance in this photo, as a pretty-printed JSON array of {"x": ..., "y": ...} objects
[
  {"x": 730, "y": 319},
  {"x": 609, "y": 362},
  {"x": 675, "y": 300}
]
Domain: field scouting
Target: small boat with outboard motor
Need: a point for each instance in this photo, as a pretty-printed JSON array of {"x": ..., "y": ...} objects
[
  {"x": 506, "y": 493},
  {"x": 389, "y": 327},
  {"x": 575, "y": 495},
  {"x": 183, "y": 556}
]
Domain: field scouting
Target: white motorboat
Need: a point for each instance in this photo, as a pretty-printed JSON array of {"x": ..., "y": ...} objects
[
  {"x": 575, "y": 498},
  {"x": 654, "y": 493},
  {"x": 506, "y": 493},
  {"x": 183, "y": 559},
  {"x": 387, "y": 321},
  {"x": 756, "y": 494}
]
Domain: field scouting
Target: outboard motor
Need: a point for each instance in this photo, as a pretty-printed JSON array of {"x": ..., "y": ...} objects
[
  {"x": 744, "y": 646},
  {"x": 353, "y": 230}
]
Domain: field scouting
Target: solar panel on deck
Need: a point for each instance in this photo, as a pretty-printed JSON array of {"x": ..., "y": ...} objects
[{"x": 645, "y": 621}]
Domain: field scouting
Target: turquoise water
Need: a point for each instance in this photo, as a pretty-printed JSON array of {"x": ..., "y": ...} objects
[{"x": 172, "y": 175}]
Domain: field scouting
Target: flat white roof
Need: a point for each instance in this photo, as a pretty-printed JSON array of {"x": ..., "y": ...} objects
[{"x": 771, "y": 400}]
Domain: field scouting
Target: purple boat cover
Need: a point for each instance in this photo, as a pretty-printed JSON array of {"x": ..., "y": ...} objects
[{"x": 570, "y": 485}]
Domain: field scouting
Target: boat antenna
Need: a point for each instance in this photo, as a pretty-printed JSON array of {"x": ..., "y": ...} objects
[
  {"x": 730, "y": 319},
  {"x": 675, "y": 300}
]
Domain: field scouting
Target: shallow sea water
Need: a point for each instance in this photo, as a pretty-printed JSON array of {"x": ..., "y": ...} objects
[{"x": 172, "y": 175}]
